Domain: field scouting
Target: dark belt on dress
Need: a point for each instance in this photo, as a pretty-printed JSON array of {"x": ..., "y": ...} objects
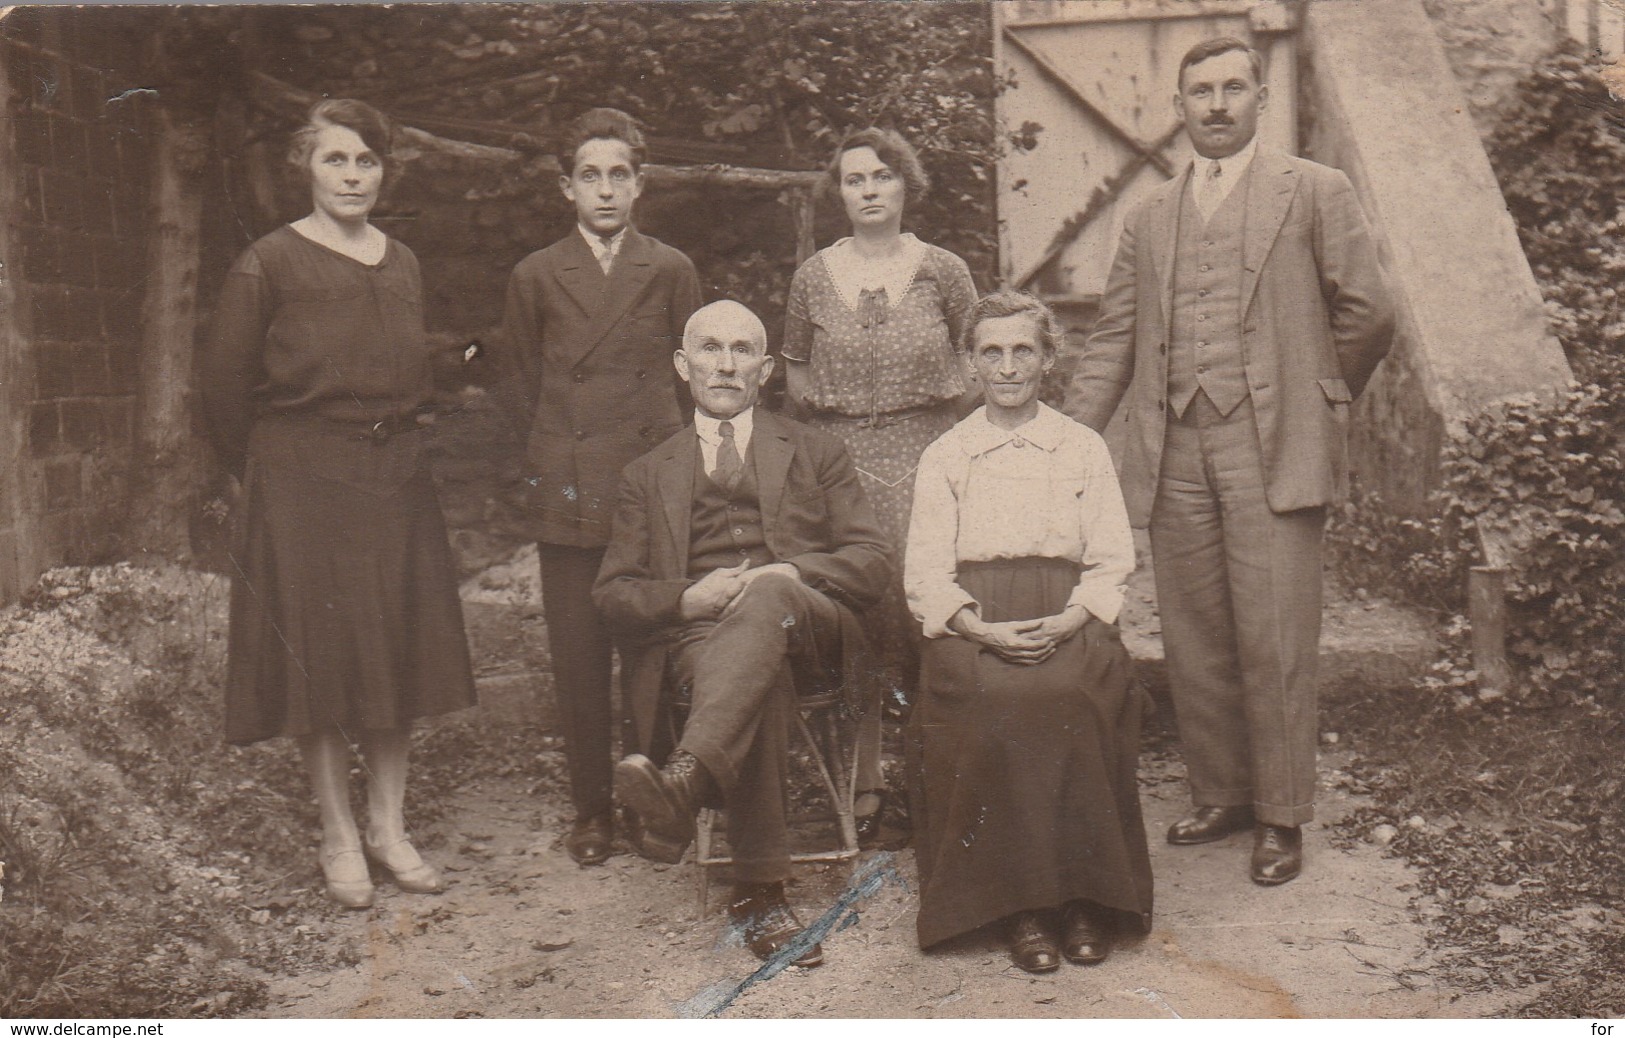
[
  {"x": 879, "y": 421},
  {"x": 381, "y": 431}
]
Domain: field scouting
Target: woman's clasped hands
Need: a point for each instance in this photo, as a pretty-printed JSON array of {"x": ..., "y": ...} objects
[{"x": 1021, "y": 641}]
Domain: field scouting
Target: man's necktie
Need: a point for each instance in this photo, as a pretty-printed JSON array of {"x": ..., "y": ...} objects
[
  {"x": 728, "y": 463},
  {"x": 1207, "y": 199},
  {"x": 606, "y": 254}
]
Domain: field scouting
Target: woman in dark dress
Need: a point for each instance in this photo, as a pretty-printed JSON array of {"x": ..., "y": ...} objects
[
  {"x": 1026, "y": 737},
  {"x": 345, "y": 621}
]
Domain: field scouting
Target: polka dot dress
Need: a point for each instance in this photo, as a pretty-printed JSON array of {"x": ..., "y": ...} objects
[{"x": 882, "y": 374}]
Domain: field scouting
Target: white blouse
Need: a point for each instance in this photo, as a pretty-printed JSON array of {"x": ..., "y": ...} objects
[{"x": 1045, "y": 490}]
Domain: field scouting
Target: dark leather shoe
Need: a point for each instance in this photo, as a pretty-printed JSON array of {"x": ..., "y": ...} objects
[
  {"x": 769, "y": 925},
  {"x": 1032, "y": 945},
  {"x": 1277, "y": 854},
  {"x": 666, "y": 800},
  {"x": 1206, "y": 824},
  {"x": 591, "y": 840},
  {"x": 868, "y": 825},
  {"x": 1085, "y": 935}
]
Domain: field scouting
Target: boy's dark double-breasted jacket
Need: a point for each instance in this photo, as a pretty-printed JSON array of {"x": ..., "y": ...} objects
[{"x": 593, "y": 359}]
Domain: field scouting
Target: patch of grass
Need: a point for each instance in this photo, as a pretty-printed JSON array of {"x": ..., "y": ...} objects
[{"x": 1514, "y": 822}]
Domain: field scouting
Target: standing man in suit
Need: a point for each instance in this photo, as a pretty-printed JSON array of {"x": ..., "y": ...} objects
[
  {"x": 742, "y": 547},
  {"x": 590, "y": 322},
  {"x": 1244, "y": 312}
]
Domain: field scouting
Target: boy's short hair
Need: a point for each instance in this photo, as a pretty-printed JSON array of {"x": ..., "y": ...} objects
[{"x": 594, "y": 123}]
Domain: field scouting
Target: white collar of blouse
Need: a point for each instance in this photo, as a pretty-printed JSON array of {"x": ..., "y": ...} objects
[{"x": 1046, "y": 431}]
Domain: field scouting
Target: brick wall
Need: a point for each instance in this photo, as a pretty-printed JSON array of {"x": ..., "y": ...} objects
[{"x": 74, "y": 251}]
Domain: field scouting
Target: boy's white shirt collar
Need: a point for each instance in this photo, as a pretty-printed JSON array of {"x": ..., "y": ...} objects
[{"x": 595, "y": 242}]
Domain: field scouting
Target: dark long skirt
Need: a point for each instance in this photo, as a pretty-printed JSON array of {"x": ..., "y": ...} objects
[
  {"x": 344, "y": 607},
  {"x": 1026, "y": 773}
]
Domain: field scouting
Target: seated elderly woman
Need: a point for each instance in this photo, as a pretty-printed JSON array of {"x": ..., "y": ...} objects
[{"x": 1024, "y": 744}]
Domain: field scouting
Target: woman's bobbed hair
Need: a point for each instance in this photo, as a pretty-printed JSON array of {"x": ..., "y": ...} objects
[
  {"x": 371, "y": 125},
  {"x": 1007, "y": 302},
  {"x": 893, "y": 150}
]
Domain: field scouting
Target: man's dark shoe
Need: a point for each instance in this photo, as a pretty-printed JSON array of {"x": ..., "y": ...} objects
[
  {"x": 666, "y": 800},
  {"x": 769, "y": 925},
  {"x": 1277, "y": 854},
  {"x": 591, "y": 840},
  {"x": 1206, "y": 824},
  {"x": 1032, "y": 945},
  {"x": 1086, "y": 936}
]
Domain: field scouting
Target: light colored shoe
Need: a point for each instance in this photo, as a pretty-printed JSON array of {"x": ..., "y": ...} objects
[
  {"x": 401, "y": 860},
  {"x": 348, "y": 882}
]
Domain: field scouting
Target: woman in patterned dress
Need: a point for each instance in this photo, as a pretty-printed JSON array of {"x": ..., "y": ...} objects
[
  {"x": 345, "y": 621},
  {"x": 869, "y": 346}
]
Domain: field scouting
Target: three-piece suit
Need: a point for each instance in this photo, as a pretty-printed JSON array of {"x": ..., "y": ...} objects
[
  {"x": 798, "y": 501},
  {"x": 1241, "y": 340}
]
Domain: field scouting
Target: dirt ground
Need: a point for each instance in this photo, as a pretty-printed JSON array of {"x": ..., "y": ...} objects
[{"x": 524, "y": 932}]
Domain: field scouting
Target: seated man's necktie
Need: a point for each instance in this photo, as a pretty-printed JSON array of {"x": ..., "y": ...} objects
[
  {"x": 728, "y": 464},
  {"x": 606, "y": 252}
]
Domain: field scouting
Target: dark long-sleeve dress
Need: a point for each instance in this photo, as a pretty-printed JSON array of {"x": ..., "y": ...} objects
[{"x": 344, "y": 608}]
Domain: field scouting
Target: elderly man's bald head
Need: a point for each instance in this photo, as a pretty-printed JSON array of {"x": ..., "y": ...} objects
[
  {"x": 724, "y": 314},
  {"x": 724, "y": 358}
]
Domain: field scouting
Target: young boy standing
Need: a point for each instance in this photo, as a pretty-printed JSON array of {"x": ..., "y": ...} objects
[{"x": 592, "y": 322}]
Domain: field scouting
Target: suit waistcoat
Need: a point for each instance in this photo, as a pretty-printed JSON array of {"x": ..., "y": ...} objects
[
  {"x": 725, "y": 526},
  {"x": 1205, "y": 338}
]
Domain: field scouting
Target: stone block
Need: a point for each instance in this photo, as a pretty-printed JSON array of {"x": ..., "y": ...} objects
[
  {"x": 1387, "y": 110},
  {"x": 63, "y": 486},
  {"x": 83, "y": 423},
  {"x": 68, "y": 151},
  {"x": 31, "y": 132},
  {"x": 44, "y": 428},
  {"x": 42, "y": 253},
  {"x": 54, "y": 367},
  {"x": 49, "y": 313}
]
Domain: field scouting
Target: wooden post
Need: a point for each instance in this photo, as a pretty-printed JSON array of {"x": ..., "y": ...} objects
[
  {"x": 802, "y": 205},
  {"x": 1487, "y": 612},
  {"x": 167, "y": 460}
]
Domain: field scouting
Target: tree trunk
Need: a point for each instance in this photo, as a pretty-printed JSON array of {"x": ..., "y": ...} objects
[{"x": 168, "y": 460}]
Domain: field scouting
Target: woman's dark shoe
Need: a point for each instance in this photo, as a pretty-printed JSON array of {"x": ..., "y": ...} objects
[
  {"x": 1206, "y": 824},
  {"x": 1032, "y": 945},
  {"x": 1085, "y": 934},
  {"x": 868, "y": 823}
]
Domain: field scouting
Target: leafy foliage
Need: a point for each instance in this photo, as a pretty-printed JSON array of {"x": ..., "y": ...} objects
[
  {"x": 749, "y": 84},
  {"x": 1546, "y": 476}
]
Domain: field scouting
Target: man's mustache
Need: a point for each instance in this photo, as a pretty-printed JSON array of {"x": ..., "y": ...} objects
[{"x": 1218, "y": 119}]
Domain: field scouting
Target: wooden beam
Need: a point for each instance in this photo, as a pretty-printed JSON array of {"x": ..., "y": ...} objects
[
  {"x": 276, "y": 96},
  {"x": 1098, "y": 200}
]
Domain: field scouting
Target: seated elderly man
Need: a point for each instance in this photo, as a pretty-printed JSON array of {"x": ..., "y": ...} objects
[{"x": 739, "y": 545}]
